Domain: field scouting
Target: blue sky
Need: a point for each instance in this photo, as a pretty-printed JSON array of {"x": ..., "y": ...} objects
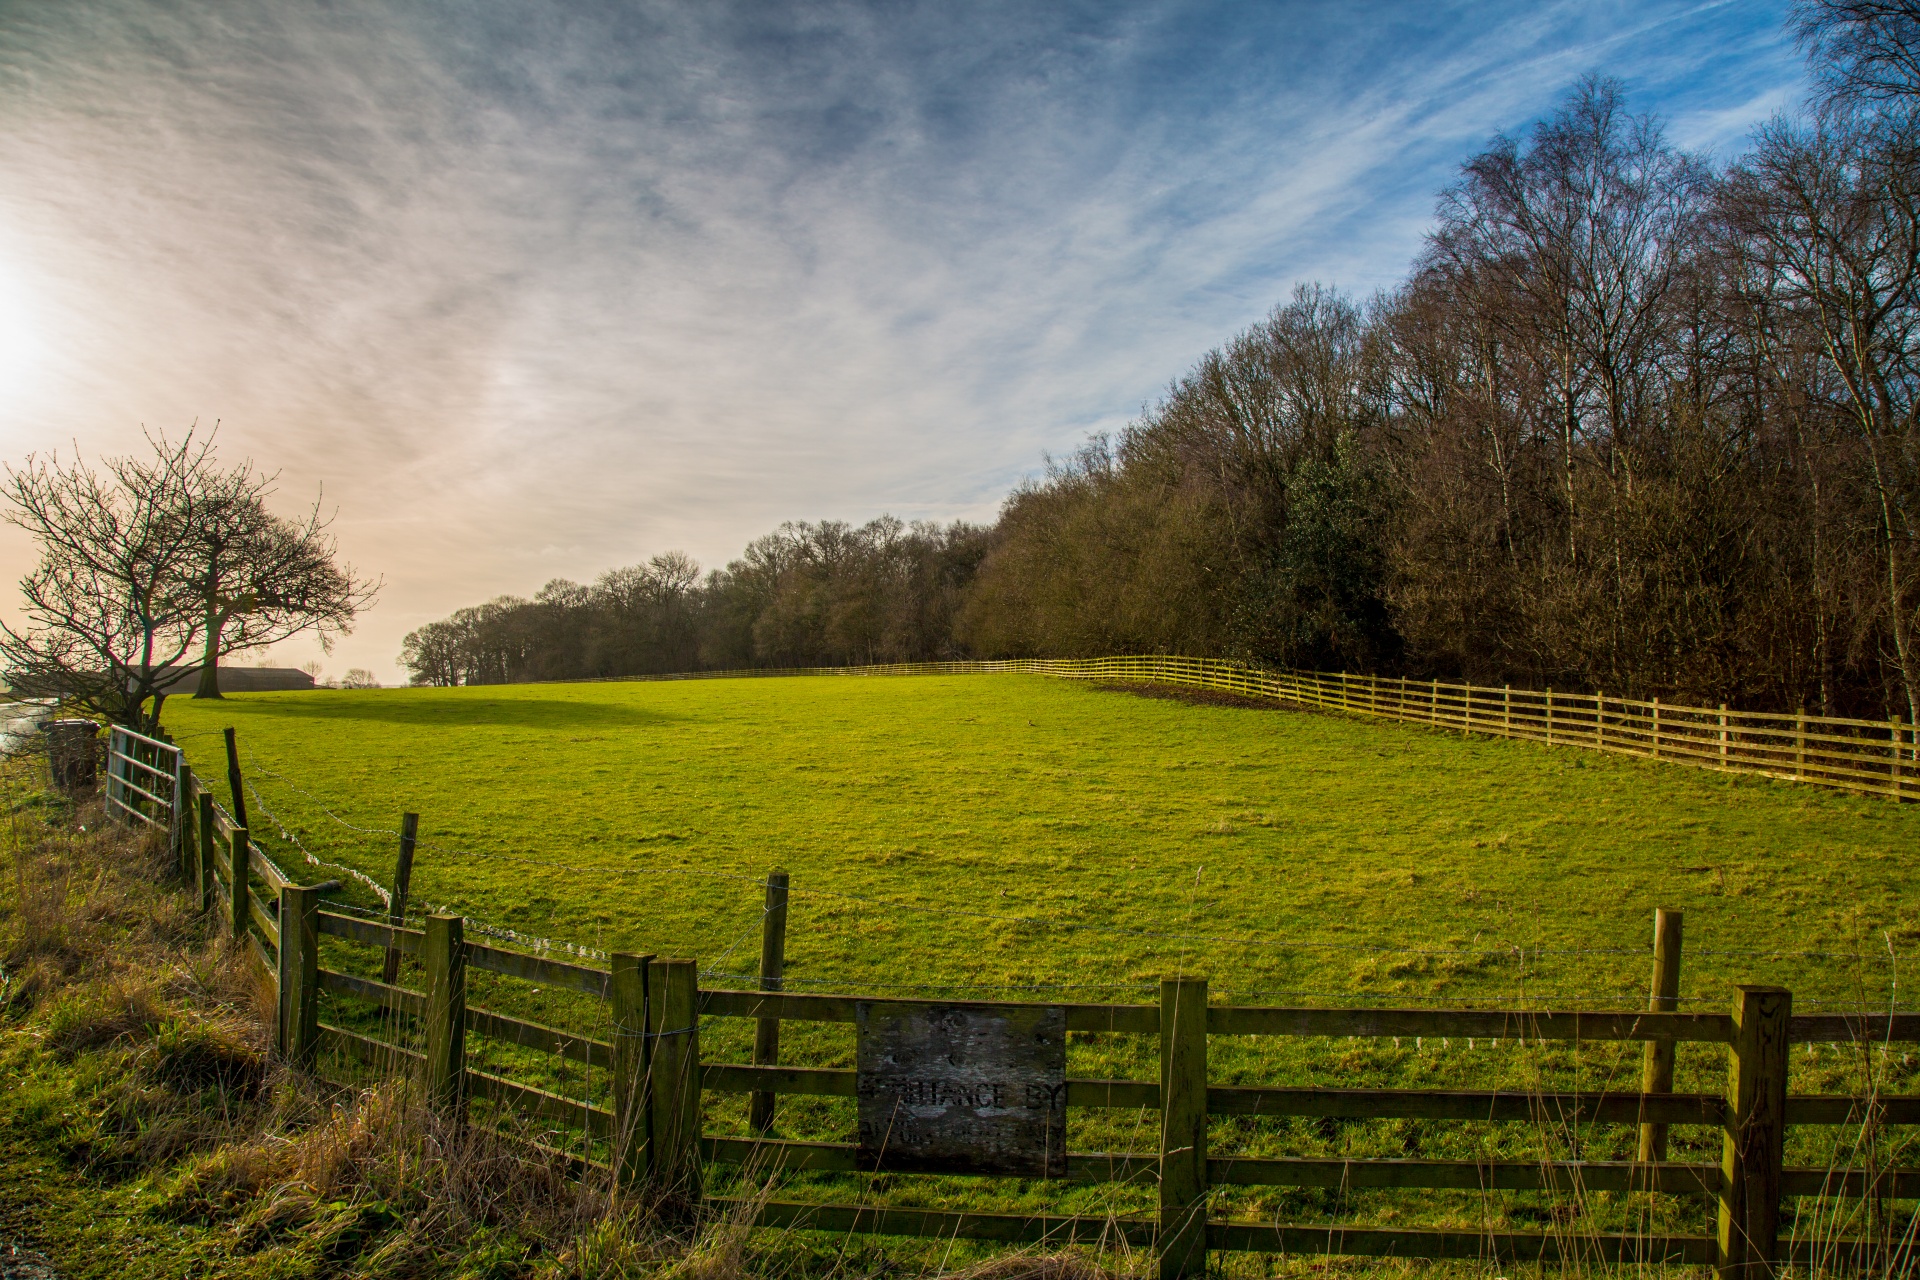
[{"x": 535, "y": 290}]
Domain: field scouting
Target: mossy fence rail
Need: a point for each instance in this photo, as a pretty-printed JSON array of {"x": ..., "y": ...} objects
[
  {"x": 652, "y": 1135},
  {"x": 1876, "y": 757}
]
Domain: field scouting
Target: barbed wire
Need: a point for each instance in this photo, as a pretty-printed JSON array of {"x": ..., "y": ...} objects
[
  {"x": 477, "y": 924},
  {"x": 1458, "y": 1000},
  {"x": 758, "y": 924},
  {"x": 1286, "y": 941},
  {"x": 379, "y": 890}
]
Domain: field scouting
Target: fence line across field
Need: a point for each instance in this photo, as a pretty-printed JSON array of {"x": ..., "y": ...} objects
[
  {"x": 652, "y": 1134},
  {"x": 1873, "y": 757}
]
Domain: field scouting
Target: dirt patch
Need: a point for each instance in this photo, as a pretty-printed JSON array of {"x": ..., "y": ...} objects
[
  {"x": 1190, "y": 693},
  {"x": 21, "y": 1264}
]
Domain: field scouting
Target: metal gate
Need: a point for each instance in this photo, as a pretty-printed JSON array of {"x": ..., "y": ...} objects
[{"x": 143, "y": 778}]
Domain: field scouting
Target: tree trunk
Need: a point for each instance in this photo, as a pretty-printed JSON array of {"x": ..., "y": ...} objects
[{"x": 210, "y": 666}]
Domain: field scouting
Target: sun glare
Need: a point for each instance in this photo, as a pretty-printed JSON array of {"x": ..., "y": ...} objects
[{"x": 23, "y": 343}]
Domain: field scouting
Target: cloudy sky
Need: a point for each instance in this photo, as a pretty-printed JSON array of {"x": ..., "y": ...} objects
[{"x": 534, "y": 290}]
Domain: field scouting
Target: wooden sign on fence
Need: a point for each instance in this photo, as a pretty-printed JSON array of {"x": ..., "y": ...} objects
[{"x": 956, "y": 1088}]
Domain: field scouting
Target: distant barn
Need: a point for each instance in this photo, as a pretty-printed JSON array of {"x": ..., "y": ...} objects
[
  {"x": 187, "y": 679},
  {"x": 242, "y": 680}
]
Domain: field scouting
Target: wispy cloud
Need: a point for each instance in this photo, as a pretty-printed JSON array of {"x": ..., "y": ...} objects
[{"x": 538, "y": 290}]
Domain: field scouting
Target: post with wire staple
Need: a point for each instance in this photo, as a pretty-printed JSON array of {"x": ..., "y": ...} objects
[
  {"x": 204, "y": 821},
  {"x": 1182, "y": 1239},
  {"x": 299, "y": 974},
  {"x": 444, "y": 953},
  {"x": 673, "y": 1035},
  {"x": 628, "y": 989},
  {"x": 1657, "y": 1072},
  {"x": 1748, "y": 1235},
  {"x": 234, "y": 783},
  {"x": 182, "y": 812},
  {"x": 238, "y": 845},
  {"x": 397, "y": 906},
  {"x": 773, "y": 966}
]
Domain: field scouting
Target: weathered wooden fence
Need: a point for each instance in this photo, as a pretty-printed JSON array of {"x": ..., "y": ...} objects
[
  {"x": 652, "y": 1131},
  {"x": 1876, "y": 757}
]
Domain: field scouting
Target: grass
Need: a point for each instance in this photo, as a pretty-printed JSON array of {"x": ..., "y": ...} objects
[
  {"x": 1022, "y": 831},
  {"x": 1014, "y": 836},
  {"x": 147, "y": 1134}
]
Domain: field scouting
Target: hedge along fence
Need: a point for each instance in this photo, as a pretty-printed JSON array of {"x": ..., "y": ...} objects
[
  {"x": 652, "y": 1132},
  {"x": 1875, "y": 757}
]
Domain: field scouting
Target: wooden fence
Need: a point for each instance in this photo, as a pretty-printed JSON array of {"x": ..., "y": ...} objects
[
  {"x": 651, "y": 1133},
  {"x": 1875, "y": 757}
]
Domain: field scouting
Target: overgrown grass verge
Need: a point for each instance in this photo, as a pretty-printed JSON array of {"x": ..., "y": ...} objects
[{"x": 146, "y": 1130}]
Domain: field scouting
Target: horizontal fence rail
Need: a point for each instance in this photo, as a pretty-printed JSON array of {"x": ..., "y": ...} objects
[
  {"x": 669, "y": 985},
  {"x": 652, "y": 1131},
  {"x": 143, "y": 778},
  {"x": 1874, "y": 757}
]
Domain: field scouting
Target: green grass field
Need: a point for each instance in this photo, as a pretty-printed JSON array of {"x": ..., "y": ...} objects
[
  {"x": 1024, "y": 831},
  {"x": 1015, "y": 836}
]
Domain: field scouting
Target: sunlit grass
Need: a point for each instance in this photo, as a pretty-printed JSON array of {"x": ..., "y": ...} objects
[
  {"x": 598, "y": 814},
  {"x": 1019, "y": 837}
]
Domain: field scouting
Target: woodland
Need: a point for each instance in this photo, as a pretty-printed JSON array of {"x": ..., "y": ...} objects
[{"x": 1635, "y": 421}]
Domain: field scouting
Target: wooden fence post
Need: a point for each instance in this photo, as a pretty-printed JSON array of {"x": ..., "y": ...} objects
[
  {"x": 238, "y": 873},
  {"x": 1723, "y": 735},
  {"x": 299, "y": 974},
  {"x": 205, "y": 833},
  {"x": 630, "y": 1129},
  {"x": 444, "y": 955},
  {"x": 1182, "y": 1240},
  {"x": 773, "y": 967},
  {"x": 1656, "y": 728},
  {"x": 1549, "y": 715},
  {"x": 1747, "y": 1240},
  {"x": 1599, "y": 729},
  {"x": 1656, "y": 1075},
  {"x": 1800, "y": 743},
  {"x": 1433, "y": 705},
  {"x": 233, "y": 780},
  {"x": 1506, "y": 709},
  {"x": 107, "y": 796},
  {"x": 397, "y": 906},
  {"x": 182, "y": 814},
  {"x": 673, "y": 1032}
]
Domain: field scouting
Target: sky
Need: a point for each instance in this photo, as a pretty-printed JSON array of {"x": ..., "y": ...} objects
[{"x": 525, "y": 290}]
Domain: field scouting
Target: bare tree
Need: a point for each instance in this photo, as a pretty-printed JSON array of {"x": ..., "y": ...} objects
[
  {"x": 1865, "y": 51},
  {"x": 1831, "y": 212},
  {"x": 110, "y": 614},
  {"x": 1583, "y": 233},
  {"x": 261, "y": 578}
]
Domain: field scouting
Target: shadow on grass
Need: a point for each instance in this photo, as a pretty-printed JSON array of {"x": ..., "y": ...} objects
[{"x": 453, "y": 712}]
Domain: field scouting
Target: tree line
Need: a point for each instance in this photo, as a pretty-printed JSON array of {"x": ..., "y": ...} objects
[
  {"x": 827, "y": 594},
  {"x": 1635, "y": 422}
]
